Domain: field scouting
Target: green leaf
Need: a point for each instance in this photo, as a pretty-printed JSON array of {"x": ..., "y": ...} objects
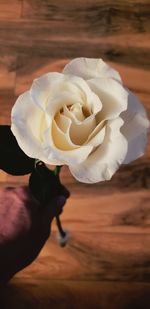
[{"x": 12, "y": 159}]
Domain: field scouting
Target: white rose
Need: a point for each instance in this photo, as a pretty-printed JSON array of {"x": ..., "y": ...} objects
[{"x": 82, "y": 117}]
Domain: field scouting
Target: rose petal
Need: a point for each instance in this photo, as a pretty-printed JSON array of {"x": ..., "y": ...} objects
[
  {"x": 53, "y": 154},
  {"x": 97, "y": 136},
  {"x": 62, "y": 140},
  {"x": 136, "y": 148},
  {"x": 44, "y": 87},
  {"x": 135, "y": 128},
  {"x": 28, "y": 125},
  {"x": 80, "y": 133},
  {"x": 76, "y": 109},
  {"x": 80, "y": 130},
  {"x": 56, "y": 103},
  {"x": 113, "y": 96},
  {"x": 63, "y": 122},
  {"x": 106, "y": 159},
  {"x": 72, "y": 90},
  {"x": 88, "y": 68}
]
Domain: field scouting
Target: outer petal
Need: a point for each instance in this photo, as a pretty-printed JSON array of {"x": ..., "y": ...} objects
[
  {"x": 88, "y": 68},
  {"x": 113, "y": 96},
  {"x": 44, "y": 86},
  {"x": 27, "y": 122},
  {"x": 104, "y": 162},
  {"x": 135, "y": 128}
]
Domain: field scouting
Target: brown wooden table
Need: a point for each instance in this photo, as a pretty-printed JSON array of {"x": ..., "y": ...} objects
[{"x": 107, "y": 261}]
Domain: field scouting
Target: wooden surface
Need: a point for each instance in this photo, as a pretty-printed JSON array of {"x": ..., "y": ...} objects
[{"x": 107, "y": 261}]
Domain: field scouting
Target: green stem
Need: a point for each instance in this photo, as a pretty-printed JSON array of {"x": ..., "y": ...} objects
[{"x": 57, "y": 170}]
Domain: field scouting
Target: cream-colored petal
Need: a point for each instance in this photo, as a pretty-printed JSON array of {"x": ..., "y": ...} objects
[
  {"x": 96, "y": 139},
  {"x": 89, "y": 99},
  {"x": 61, "y": 140},
  {"x": 63, "y": 122},
  {"x": 79, "y": 133},
  {"x": 60, "y": 100},
  {"x": 28, "y": 126},
  {"x": 96, "y": 104},
  {"x": 113, "y": 96},
  {"x": 76, "y": 109},
  {"x": 106, "y": 159},
  {"x": 135, "y": 128},
  {"x": 67, "y": 113},
  {"x": 73, "y": 90},
  {"x": 80, "y": 130},
  {"x": 67, "y": 157},
  {"x": 88, "y": 68},
  {"x": 136, "y": 148},
  {"x": 97, "y": 130},
  {"x": 76, "y": 86},
  {"x": 45, "y": 87}
]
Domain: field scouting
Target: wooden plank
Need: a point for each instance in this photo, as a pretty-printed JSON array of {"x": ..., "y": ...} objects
[
  {"x": 93, "y": 256},
  {"x": 10, "y": 9},
  {"x": 52, "y": 40},
  {"x": 112, "y": 213},
  {"x": 7, "y": 69},
  {"x": 103, "y": 17},
  {"x": 58, "y": 31},
  {"x": 43, "y": 294},
  {"x": 7, "y": 100},
  {"x": 106, "y": 262},
  {"x": 125, "y": 213},
  {"x": 8, "y": 62}
]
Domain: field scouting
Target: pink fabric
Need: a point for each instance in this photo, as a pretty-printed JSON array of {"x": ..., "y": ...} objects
[{"x": 24, "y": 228}]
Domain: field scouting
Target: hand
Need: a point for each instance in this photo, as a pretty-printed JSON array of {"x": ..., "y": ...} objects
[{"x": 24, "y": 227}]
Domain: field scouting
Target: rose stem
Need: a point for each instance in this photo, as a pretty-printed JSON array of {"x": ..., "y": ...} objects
[
  {"x": 58, "y": 222},
  {"x": 57, "y": 170},
  {"x": 61, "y": 231}
]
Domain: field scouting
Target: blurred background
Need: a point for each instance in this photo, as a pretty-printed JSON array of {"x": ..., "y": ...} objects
[{"x": 107, "y": 261}]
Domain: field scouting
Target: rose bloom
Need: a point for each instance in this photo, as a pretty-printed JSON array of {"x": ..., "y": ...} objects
[{"x": 83, "y": 117}]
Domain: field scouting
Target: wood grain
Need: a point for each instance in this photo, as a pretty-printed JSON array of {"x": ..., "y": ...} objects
[
  {"x": 75, "y": 294},
  {"x": 105, "y": 16},
  {"x": 107, "y": 261},
  {"x": 10, "y": 8}
]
